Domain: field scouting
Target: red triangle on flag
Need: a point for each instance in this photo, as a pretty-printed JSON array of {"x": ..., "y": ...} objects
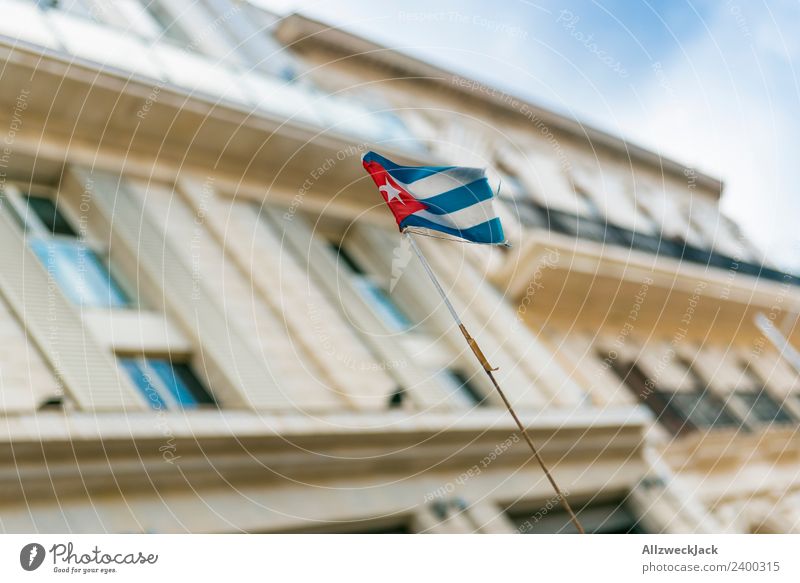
[{"x": 401, "y": 202}]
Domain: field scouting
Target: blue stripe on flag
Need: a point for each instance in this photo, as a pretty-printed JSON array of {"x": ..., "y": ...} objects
[
  {"x": 405, "y": 174},
  {"x": 459, "y": 198},
  {"x": 489, "y": 232}
]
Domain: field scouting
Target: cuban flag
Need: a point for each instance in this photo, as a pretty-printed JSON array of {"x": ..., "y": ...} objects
[{"x": 453, "y": 200}]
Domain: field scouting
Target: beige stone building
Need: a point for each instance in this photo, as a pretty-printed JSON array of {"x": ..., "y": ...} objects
[{"x": 209, "y": 322}]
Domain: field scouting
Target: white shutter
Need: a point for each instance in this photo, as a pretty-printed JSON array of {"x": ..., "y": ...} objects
[
  {"x": 774, "y": 371},
  {"x": 623, "y": 350},
  {"x": 718, "y": 230},
  {"x": 315, "y": 329},
  {"x": 419, "y": 124},
  {"x": 664, "y": 207},
  {"x": 599, "y": 375},
  {"x": 529, "y": 371},
  {"x": 548, "y": 183},
  {"x": 88, "y": 373},
  {"x": 530, "y": 367},
  {"x": 718, "y": 367},
  {"x": 660, "y": 362},
  {"x": 424, "y": 391},
  {"x": 194, "y": 212},
  {"x": 128, "y": 15},
  {"x": 25, "y": 379},
  {"x": 375, "y": 249},
  {"x": 463, "y": 145},
  {"x": 611, "y": 191},
  {"x": 236, "y": 374},
  {"x": 199, "y": 24}
]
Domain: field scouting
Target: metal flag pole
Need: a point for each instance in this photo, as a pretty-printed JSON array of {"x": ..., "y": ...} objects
[{"x": 489, "y": 371}]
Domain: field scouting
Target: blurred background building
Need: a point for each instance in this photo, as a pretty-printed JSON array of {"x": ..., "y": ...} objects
[{"x": 210, "y": 324}]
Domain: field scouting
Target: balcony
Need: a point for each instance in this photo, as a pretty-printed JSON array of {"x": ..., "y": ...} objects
[{"x": 580, "y": 268}]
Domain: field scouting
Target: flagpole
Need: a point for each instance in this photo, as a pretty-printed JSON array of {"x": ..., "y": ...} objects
[{"x": 490, "y": 372}]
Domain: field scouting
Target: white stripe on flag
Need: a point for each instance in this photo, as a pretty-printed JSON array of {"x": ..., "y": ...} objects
[
  {"x": 442, "y": 182},
  {"x": 462, "y": 219}
]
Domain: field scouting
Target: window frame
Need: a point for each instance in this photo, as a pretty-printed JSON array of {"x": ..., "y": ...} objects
[
  {"x": 34, "y": 229},
  {"x": 167, "y": 399},
  {"x": 389, "y": 312},
  {"x": 761, "y": 397},
  {"x": 460, "y": 387},
  {"x": 458, "y": 384},
  {"x": 668, "y": 405},
  {"x": 600, "y": 513}
]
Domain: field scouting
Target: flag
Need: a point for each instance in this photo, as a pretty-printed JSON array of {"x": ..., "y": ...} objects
[{"x": 450, "y": 199}]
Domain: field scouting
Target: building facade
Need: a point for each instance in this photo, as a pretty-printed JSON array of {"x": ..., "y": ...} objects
[{"x": 211, "y": 324}]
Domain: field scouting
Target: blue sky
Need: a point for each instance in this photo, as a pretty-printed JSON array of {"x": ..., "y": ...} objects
[{"x": 710, "y": 84}]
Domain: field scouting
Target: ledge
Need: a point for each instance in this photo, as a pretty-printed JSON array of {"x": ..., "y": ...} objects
[
  {"x": 78, "y": 109},
  {"x": 200, "y": 424},
  {"x": 51, "y": 456},
  {"x": 598, "y": 285}
]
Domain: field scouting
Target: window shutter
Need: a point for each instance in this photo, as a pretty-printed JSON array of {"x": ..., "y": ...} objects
[
  {"x": 718, "y": 368},
  {"x": 659, "y": 362},
  {"x": 548, "y": 183},
  {"x": 530, "y": 367},
  {"x": 462, "y": 145},
  {"x": 774, "y": 371},
  {"x": 419, "y": 124},
  {"x": 424, "y": 391},
  {"x": 718, "y": 229},
  {"x": 88, "y": 373},
  {"x": 25, "y": 379},
  {"x": 598, "y": 373},
  {"x": 663, "y": 207},
  {"x": 611, "y": 191},
  {"x": 237, "y": 376},
  {"x": 345, "y": 370},
  {"x": 200, "y": 24}
]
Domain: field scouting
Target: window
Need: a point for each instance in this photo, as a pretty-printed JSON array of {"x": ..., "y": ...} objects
[
  {"x": 73, "y": 7},
  {"x": 506, "y": 182},
  {"x": 397, "y": 398},
  {"x": 50, "y": 216},
  {"x": 582, "y": 227},
  {"x": 527, "y": 212},
  {"x": 166, "y": 384},
  {"x": 594, "y": 211},
  {"x": 172, "y": 29},
  {"x": 380, "y": 302},
  {"x": 463, "y": 391},
  {"x": 461, "y": 387},
  {"x": 702, "y": 409},
  {"x": 604, "y": 517},
  {"x": 680, "y": 411},
  {"x": 81, "y": 272},
  {"x": 762, "y": 408}
]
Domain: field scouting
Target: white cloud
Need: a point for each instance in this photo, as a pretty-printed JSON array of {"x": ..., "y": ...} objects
[{"x": 718, "y": 107}]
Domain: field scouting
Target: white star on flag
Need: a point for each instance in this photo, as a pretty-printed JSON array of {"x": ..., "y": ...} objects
[{"x": 391, "y": 192}]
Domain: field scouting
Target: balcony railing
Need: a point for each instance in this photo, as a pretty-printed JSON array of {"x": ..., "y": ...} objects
[{"x": 536, "y": 216}]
